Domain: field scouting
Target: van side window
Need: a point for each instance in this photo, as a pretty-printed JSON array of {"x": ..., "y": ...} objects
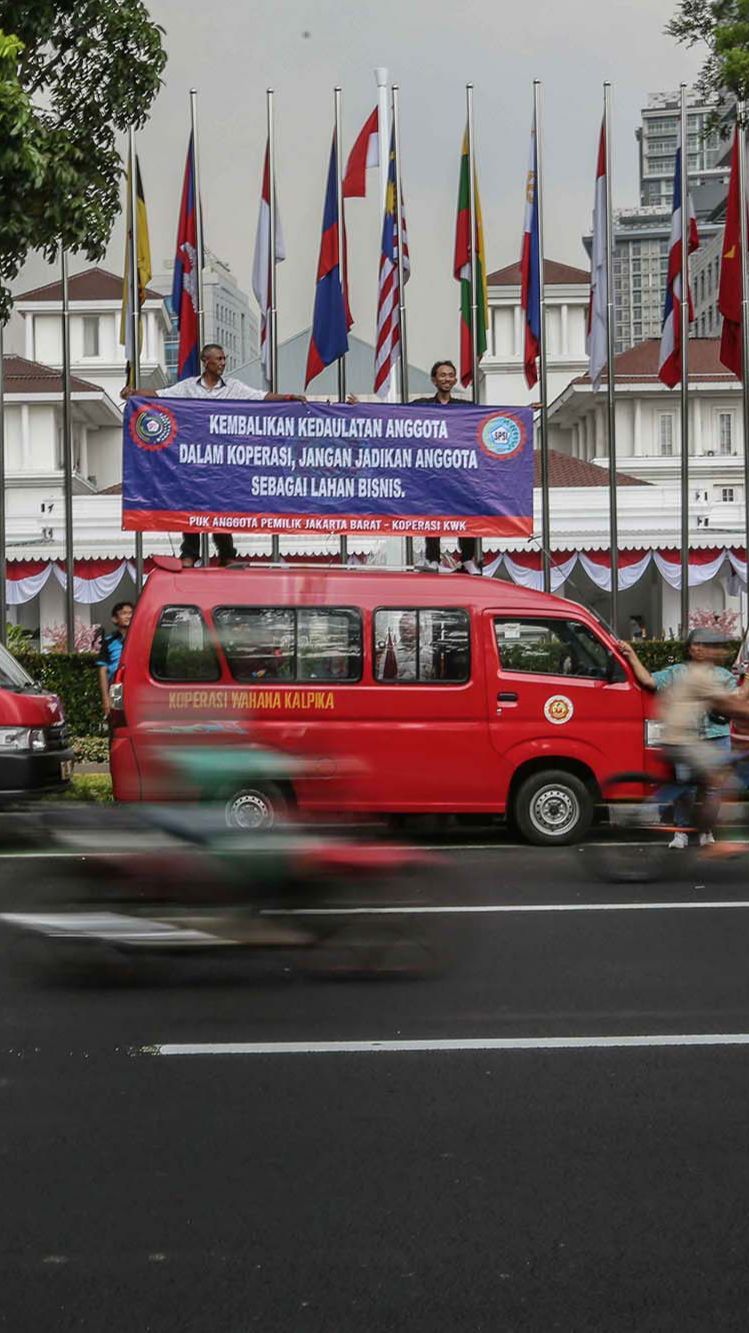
[
  {"x": 259, "y": 641},
  {"x": 181, "y": 649},
  {"x": 553, "y": 648},
  {"x": 329, "y": 643},
  {"x": 428, "y": 645}
]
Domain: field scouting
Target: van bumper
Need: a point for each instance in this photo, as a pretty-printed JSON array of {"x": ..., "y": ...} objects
[{"x": 29, "y": 773}]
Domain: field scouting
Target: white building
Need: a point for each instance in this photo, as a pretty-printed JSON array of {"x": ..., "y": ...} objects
[{"x": 567, "y": 291}]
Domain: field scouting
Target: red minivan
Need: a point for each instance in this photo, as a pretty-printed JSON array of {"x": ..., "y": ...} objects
[
  {"x": 34, "y": 751},
  {"x": 405, "y": 692}
]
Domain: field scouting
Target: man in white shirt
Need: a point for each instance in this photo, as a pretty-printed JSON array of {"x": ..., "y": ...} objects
[{"x": 211, "y": 384}]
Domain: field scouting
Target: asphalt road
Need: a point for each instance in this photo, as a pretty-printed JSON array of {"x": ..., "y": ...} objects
[{"x": 320, "y": 1188}]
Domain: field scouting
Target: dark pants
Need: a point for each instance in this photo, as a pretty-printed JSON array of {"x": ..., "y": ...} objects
[
  {"x": 190, "y": 548},
  {"x": 467, "y": 548}
]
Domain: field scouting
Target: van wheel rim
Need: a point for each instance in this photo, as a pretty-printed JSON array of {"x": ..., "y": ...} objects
[
  {"x": 249, "y": 810},
  {"x": 554, "y": 811}
]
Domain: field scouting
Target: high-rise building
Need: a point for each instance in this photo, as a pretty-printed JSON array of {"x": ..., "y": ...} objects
[
  {"x": 657, "y": 137},
  {"x": 227, "y": 317}
]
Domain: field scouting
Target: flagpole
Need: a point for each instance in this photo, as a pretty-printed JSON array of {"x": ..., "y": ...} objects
[
  {"x": 67, "y": 460},
  {"x": 204, "y": 543},
  {"x": 472, "y": 243},
  {"x": 275, "y": 541},
  {"x": 133, "y": 274},
  {"x": 684, "y": 322},
  {"x": 402, "y": 343},
  {"x": 343, "y": 544},
  {"x": 741, "y": 130},
  {"x": 611, "y": 373},
  {"x": 3, "y": 530},
  {"x": 542, "y": 377},
  {"x": 381, "y": 79}
]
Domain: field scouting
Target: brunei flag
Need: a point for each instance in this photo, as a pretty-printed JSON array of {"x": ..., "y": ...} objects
[
  {"x": 142, "y": 247},
  {"x": 462, "y": 268}
]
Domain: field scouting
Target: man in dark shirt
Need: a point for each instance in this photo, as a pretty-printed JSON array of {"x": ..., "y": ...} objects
[
  {"x": 444, "y": 379},
  {"x": 110, "y": 650}
]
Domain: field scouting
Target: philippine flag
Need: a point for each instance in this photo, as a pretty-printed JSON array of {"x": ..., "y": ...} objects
[
  {"x": 331, "y": 320},
  {"x": 669, "y": 361},
  {"x": 185, "y": 284},
  {"x": 597, "y": 340},
  {"x": 530, "y": 259}
]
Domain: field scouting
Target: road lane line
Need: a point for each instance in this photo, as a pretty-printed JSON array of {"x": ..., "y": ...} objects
[
  {"x": 444, "y": 1044},
  {"x": 479, "y": 909}
]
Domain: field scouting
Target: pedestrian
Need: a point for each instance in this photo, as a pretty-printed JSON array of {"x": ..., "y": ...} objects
[
  {"x": 110, "y": 650},
  {"x": 637, "y": 629},
  {"x": 444, "y": 377},
  {"x": 211, "y": 384}
]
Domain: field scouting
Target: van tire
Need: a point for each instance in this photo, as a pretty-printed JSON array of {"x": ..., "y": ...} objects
[
  {"x": 553, "y": 808},
  {"x": 256, "y": 808}
]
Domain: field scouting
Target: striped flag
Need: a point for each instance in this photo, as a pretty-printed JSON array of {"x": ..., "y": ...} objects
[
  {"x": 530, "y": 262},
  {"x": 365, "y": 153},
  {"x": 143, "y": 262},
  {"x": 261, "y": 265},
  {"x": 462, "y": 268},
  {"x": 669, "y": 361},
  {"x": 597, "y": 339},
  {"x": 388, "y": 315}
]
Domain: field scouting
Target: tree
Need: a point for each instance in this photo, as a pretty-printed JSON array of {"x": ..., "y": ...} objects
[
  {"x": 73, "y": 74},
  {"x": 723, "y": 25}
]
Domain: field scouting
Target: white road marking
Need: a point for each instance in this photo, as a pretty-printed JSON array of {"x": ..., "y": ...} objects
[
  {"x": 444, "y": 1044},
  {"x": 479, "y": 909}
]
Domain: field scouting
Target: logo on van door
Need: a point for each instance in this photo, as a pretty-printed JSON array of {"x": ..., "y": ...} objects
[
  {"x": 558, "y": 709},
  {"x": 153, "y": 427},
  {"x": 502, "y": 435}
]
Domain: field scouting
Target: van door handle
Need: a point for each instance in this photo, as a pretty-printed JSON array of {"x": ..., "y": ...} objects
[{"x": 507, "y": 697}]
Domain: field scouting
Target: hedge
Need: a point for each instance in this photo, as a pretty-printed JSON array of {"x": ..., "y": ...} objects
[
  {"x": 74, "y": 677},
  {"x": 658, "y": 653}
]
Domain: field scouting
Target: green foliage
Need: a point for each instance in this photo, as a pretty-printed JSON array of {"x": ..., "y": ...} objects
[
  {"x": 90, "y": 749},
  {"x": 658, "y": 653},
  {"x": 85, "y": 787},
  {"x": 723, "y": 27},
  {"x": 17, "y": 639},
  {"x": 74, "y": 677},
  {"x": 73, "y": 74}
]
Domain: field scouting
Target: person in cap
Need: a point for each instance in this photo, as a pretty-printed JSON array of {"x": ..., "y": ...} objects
[{"x": 699, "y": 698}]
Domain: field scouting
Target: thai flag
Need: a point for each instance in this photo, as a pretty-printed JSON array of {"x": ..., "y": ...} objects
[
  {"x": 331, "y": 320},
  {"x": 185, "y": 284},
  {"x": 530, "y": 258},
  {"x": 669, "y": 362}
]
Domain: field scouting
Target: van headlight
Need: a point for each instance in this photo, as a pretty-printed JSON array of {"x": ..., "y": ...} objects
[
  {"x": 38, "y": 740},
  {"x": 16, "y": 738},
  {"x": 653, "y": 733}
]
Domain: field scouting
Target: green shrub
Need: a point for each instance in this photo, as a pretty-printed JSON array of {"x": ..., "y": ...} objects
[
  {"x": 74, "y": 677},
  {"x": 90, "y": 749},
  {"x": 658, "y": 653},
  {"x": 85, "y": 787}
]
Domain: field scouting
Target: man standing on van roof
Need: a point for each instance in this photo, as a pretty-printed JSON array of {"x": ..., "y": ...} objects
[
  {"x": 211, "y": 384},
  {"x": 444, "y": 379}
]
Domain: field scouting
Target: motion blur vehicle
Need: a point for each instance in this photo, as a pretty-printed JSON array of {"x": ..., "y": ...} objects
[
  {"x": 34, "y": 753},
  {"x": 403, "y": 692}
]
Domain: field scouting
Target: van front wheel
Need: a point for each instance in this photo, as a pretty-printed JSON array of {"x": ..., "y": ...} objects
[
  {"x": 255, "y": 808},
  {"x": 553, "y": 808}
]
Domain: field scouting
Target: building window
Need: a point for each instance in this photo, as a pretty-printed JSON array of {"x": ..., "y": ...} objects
[
  {"x": 665, "y": 434},
  {"x": 727, "y": 495},
  {"x": 725, "y": 432},
  {"x": 90, "y": 335}
]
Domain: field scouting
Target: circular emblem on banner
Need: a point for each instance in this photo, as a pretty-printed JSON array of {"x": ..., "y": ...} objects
[
  {"x": 502, "y": 435},
  {"x": 558, "y": 709},
  {"x": 153, "y": 427}
]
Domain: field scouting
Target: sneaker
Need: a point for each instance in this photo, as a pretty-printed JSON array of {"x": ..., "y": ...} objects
[
  {"x": 707, "y": 839},
  {"x": 680, "y": 841},
  {"x": 469, "y": 567}
]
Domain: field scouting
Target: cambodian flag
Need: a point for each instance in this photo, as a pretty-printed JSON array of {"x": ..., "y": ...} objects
[
  {"x": 530, "y": 259},
  {"x": 331, "y": 320},
  {"x": 185, "y": 284},
  {"x": 669, "y": 361}
]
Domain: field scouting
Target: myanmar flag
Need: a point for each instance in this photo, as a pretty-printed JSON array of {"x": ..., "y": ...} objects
[
  {"x": 143, "y": 262},
  {"x": 462, "y": 269}
]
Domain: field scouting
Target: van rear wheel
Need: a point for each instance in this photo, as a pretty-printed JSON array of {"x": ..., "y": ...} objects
[
  {"x": 553, "y": 808},
  {"x": 256, "y": 808}
]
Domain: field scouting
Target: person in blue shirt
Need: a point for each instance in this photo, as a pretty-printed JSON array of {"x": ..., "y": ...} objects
[{"x": 111, "y": 648}]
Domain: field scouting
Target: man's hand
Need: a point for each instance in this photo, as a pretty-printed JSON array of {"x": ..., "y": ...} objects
[
  {"x": 128, "y": 391},
  {"x": 626, "y": 650}
]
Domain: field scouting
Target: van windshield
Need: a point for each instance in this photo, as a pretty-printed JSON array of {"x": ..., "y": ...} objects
[{"x": 12, "y": 674}]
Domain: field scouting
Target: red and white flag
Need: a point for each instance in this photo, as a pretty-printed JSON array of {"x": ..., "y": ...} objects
[
  {"x": 597, "y": 339},
  {"x": 669, "y": 362},
  {"x": 261, "y": 265},
  {"x": 365, "y": 153}
]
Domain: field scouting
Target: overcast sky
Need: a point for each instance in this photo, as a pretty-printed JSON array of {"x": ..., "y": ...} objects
[{"x": 302, "y": 48}]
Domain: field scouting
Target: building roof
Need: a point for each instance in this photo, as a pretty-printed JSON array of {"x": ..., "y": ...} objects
[
  {"x": 564, "y": 470},
  {"x": 639, "y": 364},
  {"x": 94, "y": 284},
  {"x": 30, "y": 377},
  {"x": 292, "y": 360},
  {"x": 555, "y": 275}
]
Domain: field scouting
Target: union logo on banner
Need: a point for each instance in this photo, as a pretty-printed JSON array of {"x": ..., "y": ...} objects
[
  {"x": 153, "y": 428},
  {"x": 502, "y": 434}
]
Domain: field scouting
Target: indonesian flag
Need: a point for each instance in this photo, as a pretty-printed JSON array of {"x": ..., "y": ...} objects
[
  {"x": 365, "y": 153},
  {"x": 597, "y": 340},
  {"x": 669, "y": 364},
  {"x": 261, "y": 270},
  {"x": 730, "y": 290},
  {"x": 530, "y": 270}
]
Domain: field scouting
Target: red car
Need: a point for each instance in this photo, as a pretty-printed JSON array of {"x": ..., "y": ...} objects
[{"x": 34, "y": 751}]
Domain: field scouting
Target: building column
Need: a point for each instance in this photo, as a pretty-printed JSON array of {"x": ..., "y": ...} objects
[
  {"x": 29, "y": 332},
  {"x": 25, "y": 438},
  {"x": 637, "y": 442},
  {"x": 599, "y": 445},
  {"x": 565, "y": 351},
  {"x": 696, "y": 427},
  {"x": 516, "y": 331}
]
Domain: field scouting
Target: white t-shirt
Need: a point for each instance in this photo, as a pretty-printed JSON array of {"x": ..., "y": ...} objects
[{"x": 195, "y": 388}]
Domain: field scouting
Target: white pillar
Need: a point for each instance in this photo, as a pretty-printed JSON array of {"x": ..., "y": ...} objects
[
  {"x": 564, "y": 349},
  {"x": 638, "y": 444},
  {"x": 516, "y": 312},
  {"x": 29, "y": 332},
  {"x": 25, "y": 438}
]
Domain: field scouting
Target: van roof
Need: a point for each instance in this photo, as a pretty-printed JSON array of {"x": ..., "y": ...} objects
[{"x": 373, "y": 585}]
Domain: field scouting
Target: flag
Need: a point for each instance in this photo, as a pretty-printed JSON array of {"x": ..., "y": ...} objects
[
  {"x": 462, "y": 268},
  {"x": 597, "y": 339},
  {"x": 143, "y": 261},
  {"x": 388, "y": 313},
  {"x": 185, "y": 284},
  {"x": 730, "y": 291},
  {"x": 331, "y": 319},
  {"x": 669, "y": 361},
  {"x": 530, "y": 272},
  {"x": 365, "y": 153},
  {"x": 261, "y": 265}
]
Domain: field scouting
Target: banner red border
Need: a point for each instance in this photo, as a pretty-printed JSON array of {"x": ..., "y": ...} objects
[{"x": 335, "y": 525}]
